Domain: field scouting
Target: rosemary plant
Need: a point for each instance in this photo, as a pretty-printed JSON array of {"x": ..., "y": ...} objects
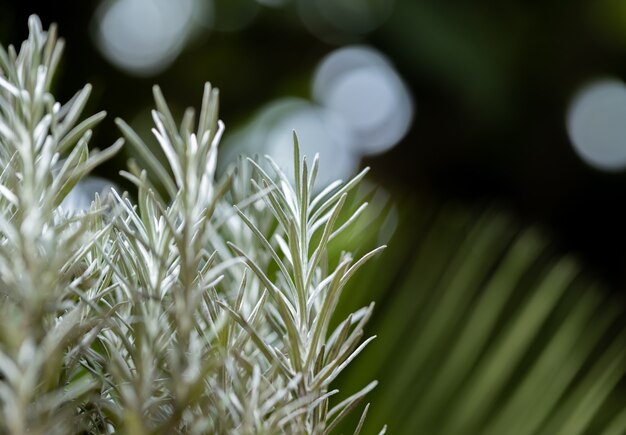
[{"x": 203, "y": 306}]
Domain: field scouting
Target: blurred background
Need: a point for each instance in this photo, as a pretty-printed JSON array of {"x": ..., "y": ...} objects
[
  {"x": 480, "y": 119},
  {"x": 479, "y": 101}
]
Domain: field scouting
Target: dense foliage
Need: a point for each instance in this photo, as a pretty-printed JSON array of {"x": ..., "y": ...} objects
[{"x": 200, "y": 307}]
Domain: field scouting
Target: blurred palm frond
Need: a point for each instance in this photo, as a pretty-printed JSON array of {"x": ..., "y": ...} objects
[{"x": 485, "y": 329}]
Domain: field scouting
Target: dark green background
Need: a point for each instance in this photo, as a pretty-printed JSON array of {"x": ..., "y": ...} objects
[{"x": 491, "y": 81}]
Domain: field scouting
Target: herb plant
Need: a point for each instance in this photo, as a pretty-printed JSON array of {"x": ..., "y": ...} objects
[{"x": 194, "y": 305}]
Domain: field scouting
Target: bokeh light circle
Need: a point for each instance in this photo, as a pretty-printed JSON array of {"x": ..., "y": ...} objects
[
  {"x": 596, "y": 124},
  {"x": 319, "y": 132},
  {"x": 79, "y": 199},
  {"x": 359, "y": 85},
  {"x": 144, "y": 37}
]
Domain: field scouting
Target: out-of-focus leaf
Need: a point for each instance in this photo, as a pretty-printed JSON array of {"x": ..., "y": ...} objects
[{"x": 484, "y": 329}]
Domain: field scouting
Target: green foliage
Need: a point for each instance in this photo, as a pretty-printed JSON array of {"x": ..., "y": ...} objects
[
  {"x": 487, "y": 331},
  {"x": 205, "y": 310}
]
